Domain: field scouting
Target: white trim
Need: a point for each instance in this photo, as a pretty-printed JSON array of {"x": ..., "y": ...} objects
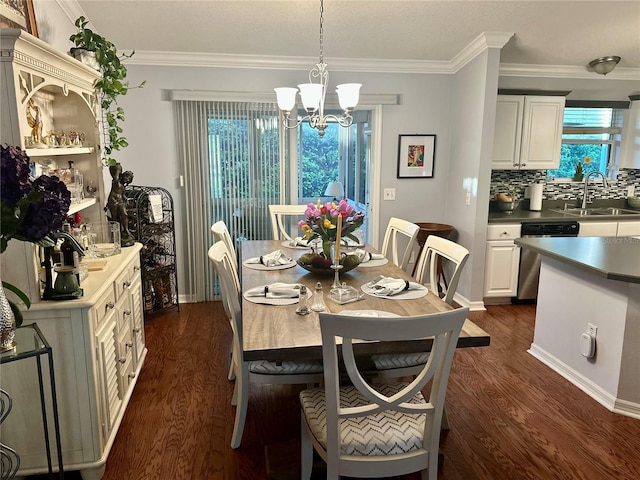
[
  {"x": 72, "y": 9},
  {"x": 481, "y": 43},
  {"x": 373, "y": 214},
  {"x": 477, "y": 306},
  {"x": 270, "y": 97},
  {"x": 565, "y": 71},
  {"x": 596, "y": 392}
]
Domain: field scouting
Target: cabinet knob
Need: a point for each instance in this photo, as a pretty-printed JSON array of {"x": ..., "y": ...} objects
[
  {"x": 136, "y": 330},
  {"x": 126, "y": 285},
  {"x": 109, "y": 306},
  {"x": 128, "y": 345},
  {"x": 127, "y": 312},
  {"x": 132, "y": 375},
  {"x": 123, "y": 360},
  {"x": 136, "y": 268}
]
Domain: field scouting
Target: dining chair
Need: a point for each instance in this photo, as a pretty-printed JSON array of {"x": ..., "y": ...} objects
[
  {"x": 265, "y": 372},
  {"x": 378, "y": 430},
  {"x": 435, "y": 250},
  {"x": 393, "y": 238},
  {"x": 280, "y": 214},
  {"x": 221, "y": 232}
]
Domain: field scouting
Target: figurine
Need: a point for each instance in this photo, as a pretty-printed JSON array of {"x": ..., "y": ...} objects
[
  {"x": 117, "y": 203},
  {"x": 34, "y": 121}
]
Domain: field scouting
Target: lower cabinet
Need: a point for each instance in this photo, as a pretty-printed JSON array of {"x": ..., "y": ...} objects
[
  {"x": 609, "y": 229},
  {"x": 98, "y": 350},
  {"x": 502, "y": 261},
  {"x": 628, "y": 229}
]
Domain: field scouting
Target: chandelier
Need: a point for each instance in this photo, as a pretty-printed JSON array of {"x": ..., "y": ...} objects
[{"x": 313, "y": 96}]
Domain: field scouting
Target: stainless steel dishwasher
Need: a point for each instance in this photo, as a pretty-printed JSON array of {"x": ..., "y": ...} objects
[{"x": 529, "y": 274}]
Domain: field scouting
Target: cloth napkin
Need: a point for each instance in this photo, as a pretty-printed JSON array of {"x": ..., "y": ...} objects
[
  {"x": 299, "y": 242},
  {"x": 388, "y": 286},
  {"x": 271, "y": 259},
  {"x": 366, "y": 256},
  {"x": 275, "y": 290}
]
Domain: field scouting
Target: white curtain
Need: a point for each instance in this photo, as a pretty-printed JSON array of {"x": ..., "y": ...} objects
[{"x": 233, "y": 161}]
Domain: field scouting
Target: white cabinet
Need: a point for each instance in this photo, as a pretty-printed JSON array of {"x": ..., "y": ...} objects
[
  {"x": 528, "y": 132},
  {"x": 598, "y": 229},
  {"x": 628, "y": 229},
  {"x": 34, "y": 74},
  {"x": 98, "y": 352},
  {"x": 502, "y": 261}
]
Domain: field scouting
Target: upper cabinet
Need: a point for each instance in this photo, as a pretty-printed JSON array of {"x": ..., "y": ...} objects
[
  {"x": 528, "y": 133},
  {"x": 49, "y": 108},
  {"x": 630, "y": 144}
]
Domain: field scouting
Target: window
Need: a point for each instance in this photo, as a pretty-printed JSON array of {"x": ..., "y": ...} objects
[{"x": 590, "y": 139}]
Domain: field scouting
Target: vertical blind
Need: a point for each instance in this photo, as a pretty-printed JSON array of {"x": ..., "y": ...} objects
[{"x": 232, "y": 159}]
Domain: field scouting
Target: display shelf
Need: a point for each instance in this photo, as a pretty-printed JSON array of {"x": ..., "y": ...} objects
[
  {"x": 53, "y": 152},
  {"x": 151, "y": 222},
  {"x": 81, "y": 205}
]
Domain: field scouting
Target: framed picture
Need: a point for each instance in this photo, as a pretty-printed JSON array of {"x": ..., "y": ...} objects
[
  {"x": 18, "y": 14},
  {"x": 416, "y": 155}
]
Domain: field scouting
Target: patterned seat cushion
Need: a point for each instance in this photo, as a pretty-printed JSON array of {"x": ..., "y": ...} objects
[
  {"x": 385, "y": 433},
  {"x": 403, "y": 360},
  {"x": 265, "y": 367}
]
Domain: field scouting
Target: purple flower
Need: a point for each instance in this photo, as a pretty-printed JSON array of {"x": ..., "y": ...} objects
[{"x": 14, "y": 182}]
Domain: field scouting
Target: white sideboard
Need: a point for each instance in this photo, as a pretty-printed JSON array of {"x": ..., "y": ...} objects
[{"x": 98, "y": 351}]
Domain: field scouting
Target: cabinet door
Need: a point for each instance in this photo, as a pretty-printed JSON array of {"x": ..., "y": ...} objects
[
  {"x": 628, "y": 229},
  {"x": 501, "y": 269},
  {"x": 598, "y": 229},
  {"x": 542, "y": 132},
  {"x": 507, "y": 135},
  {"x": 108, "y": 374}
]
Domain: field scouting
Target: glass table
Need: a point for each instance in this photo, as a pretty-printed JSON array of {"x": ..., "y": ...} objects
[{"x": 30, "y": 342}]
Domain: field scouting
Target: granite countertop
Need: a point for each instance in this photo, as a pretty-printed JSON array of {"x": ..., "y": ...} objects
[
  {"x": 523, "y": 215},
  {"x": 615, "y": 258}
]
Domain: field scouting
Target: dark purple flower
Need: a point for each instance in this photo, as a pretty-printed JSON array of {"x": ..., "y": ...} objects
[{"x": 14, "y": 182}]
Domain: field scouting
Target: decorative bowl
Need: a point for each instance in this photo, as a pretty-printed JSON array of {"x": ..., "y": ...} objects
[
  {"x": 328, "y": 270},
  {"x": 634, "y": 202},
  {"x": 507, "y": 207}
]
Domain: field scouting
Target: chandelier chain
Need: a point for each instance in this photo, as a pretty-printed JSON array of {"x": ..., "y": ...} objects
[{"x": 321, "y": 32}]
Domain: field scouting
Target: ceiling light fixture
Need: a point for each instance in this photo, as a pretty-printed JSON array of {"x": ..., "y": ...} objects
[
  {"x": 313, "y": 96},
  {"x": 604, "y": 65}
]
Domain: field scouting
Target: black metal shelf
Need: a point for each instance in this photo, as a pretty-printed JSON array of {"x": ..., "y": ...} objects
[{"x": 151, "y": 221}]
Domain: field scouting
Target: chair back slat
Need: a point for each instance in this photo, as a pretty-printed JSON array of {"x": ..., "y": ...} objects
[
  {"x": 399, "y": 231},
  {"x": 281, "y": 213}
]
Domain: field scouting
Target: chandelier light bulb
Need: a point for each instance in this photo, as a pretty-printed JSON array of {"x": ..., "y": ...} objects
[
  {"x": 286, "y": 98},
  {"x": 311, "y": 94},
  {"x": 348, "y": 95}
]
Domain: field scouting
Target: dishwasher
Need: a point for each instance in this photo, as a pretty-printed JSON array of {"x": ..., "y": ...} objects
[{"x": 530, "y": 261}]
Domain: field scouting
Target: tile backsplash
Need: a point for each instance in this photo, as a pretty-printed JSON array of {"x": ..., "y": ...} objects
[{"x": 519, "y": 179}]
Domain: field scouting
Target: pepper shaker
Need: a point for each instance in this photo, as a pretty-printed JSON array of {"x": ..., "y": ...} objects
[
  {"x": 318, "y": 299},
  {"x": 303, "y": 308}
]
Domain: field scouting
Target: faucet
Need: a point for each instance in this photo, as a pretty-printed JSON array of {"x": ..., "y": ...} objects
[{"x": 586, "y": 185}]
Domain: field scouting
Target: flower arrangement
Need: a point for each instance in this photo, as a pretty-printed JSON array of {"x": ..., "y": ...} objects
[
  {"x": 31, "y": 209},
  {"x": 578, "y": 176}
]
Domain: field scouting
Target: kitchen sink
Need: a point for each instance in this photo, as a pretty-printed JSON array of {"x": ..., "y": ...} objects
[{"x": 583, "y": 212}]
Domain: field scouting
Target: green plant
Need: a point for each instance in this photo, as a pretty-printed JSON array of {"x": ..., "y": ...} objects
[{"x": 112, "y": 85}]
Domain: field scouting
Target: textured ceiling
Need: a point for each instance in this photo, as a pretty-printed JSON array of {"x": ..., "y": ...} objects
[{"x": 562, "y": 33}]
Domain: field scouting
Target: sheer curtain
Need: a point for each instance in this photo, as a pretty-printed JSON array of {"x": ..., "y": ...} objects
[{"x": 233, "y": 160}]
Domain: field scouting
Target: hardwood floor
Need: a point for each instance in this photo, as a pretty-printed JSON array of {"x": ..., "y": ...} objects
[{"x": 511, "y": 417}]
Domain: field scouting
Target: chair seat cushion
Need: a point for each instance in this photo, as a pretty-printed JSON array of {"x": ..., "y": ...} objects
[
  {"x": 384, "y": 433},
  {"x": 403, "y": 360},
  {"x": 264, "y": 367}
]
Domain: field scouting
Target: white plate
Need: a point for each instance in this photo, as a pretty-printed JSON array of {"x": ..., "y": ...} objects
[
  {"x": 374, "y": 263},
  {"x": 259, "y": 266},
  {"x": 406, "y": 295},
  {"x": 368, "y": 313},
  {"x": 277, "y": 301}
]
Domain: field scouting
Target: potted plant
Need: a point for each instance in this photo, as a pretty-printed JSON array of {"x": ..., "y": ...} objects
[{"x": 108, "y": 61}]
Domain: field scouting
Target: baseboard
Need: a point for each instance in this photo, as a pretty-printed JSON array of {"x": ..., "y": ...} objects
[{"x": 601, "y": 396}]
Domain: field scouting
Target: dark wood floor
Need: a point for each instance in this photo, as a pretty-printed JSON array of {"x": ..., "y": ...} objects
[{"x": 511, "y": 417}]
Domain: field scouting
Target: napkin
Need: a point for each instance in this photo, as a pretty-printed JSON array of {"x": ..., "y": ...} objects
[
  {"x": 388, "y": 286},
  {"x": 275, "y": 290},
  {"x": 366, "y": 256},
  {"x": 271, "y": 259},
  {"x": 299, "y": 242}
]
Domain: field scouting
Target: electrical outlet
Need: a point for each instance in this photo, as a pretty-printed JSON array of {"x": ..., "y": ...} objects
[
  {"x": 592, "y": 330},
  {"x": 631, "y": 190},
  {"x": 389, "y": 193},
  {"x": 467, "y": 198}
]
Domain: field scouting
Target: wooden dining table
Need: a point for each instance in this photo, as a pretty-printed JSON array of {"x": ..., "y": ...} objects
[{"x": 277, "y": 333}]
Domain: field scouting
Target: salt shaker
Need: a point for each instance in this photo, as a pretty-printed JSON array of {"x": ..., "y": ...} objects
[
  {"x": 318, "y": 299},
  {"x": 303, "y": 308}
]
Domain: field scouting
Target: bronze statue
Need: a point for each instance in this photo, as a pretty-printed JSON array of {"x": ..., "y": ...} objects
[
  {"x": 117, "y": 203},
  {"x": 35, "y": 122}
]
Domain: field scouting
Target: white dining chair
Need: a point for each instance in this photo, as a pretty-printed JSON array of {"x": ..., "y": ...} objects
[
  {"x": 378, "y": 430},
  {"x": 399, "y": 232},
  {"x": 266, "y": 372},
  {"x": 221, "y": 232},
  {"x": 436, "y": 249},
  {"x": 281, "y": 215}
]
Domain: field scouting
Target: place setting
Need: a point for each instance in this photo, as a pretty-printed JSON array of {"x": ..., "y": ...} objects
[
  {"x": 276, "y": 293},
  {"x": 370, "y": 259},
  {"x": 301, "y": 243},
  {"x": 276, "y": 260},
  {"x": 394, "y": 288}
]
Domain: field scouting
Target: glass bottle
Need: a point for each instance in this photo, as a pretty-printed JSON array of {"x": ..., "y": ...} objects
[
  {"x": 303, "y": 307},
  {"x": 317, "y": 305}
]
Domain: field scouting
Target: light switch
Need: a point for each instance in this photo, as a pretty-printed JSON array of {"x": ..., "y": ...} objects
[{"x": 389, "y": 194}]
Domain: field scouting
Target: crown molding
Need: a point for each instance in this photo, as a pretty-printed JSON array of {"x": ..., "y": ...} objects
[
  {"x": 71, "y": 8},
  {"x": 481, "y": 43},
  {"x": 564, "y": 71}
]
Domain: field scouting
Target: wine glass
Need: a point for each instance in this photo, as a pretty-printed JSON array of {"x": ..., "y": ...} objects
[{"x": 91, "y": 189}]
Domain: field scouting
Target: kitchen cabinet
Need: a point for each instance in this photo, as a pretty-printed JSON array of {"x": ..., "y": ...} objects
[
  {"x": 629, "y": 149},
  {"x": 528, "y": 132},
  {"x": 38, "y": 80},
  {"x": 502, "y": 260},
  {"x": 98, "y": 352},
  {"x": 598, "y": 229}
]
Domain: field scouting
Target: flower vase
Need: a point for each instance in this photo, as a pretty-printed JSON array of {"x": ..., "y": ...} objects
[
  {"x": 7, "y": 323},
  {"x": 328, "y": 247}
]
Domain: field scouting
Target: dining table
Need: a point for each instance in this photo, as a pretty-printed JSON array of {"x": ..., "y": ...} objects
[{"x": 278, "y": 333}]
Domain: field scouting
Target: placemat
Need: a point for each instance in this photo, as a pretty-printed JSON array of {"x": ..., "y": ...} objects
[
  {"x": 368, "y": 313},
  {"x": 276, "y": 301},
  {"x": 406, "y": 295},
  {"x": 374, "y": 263}
]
